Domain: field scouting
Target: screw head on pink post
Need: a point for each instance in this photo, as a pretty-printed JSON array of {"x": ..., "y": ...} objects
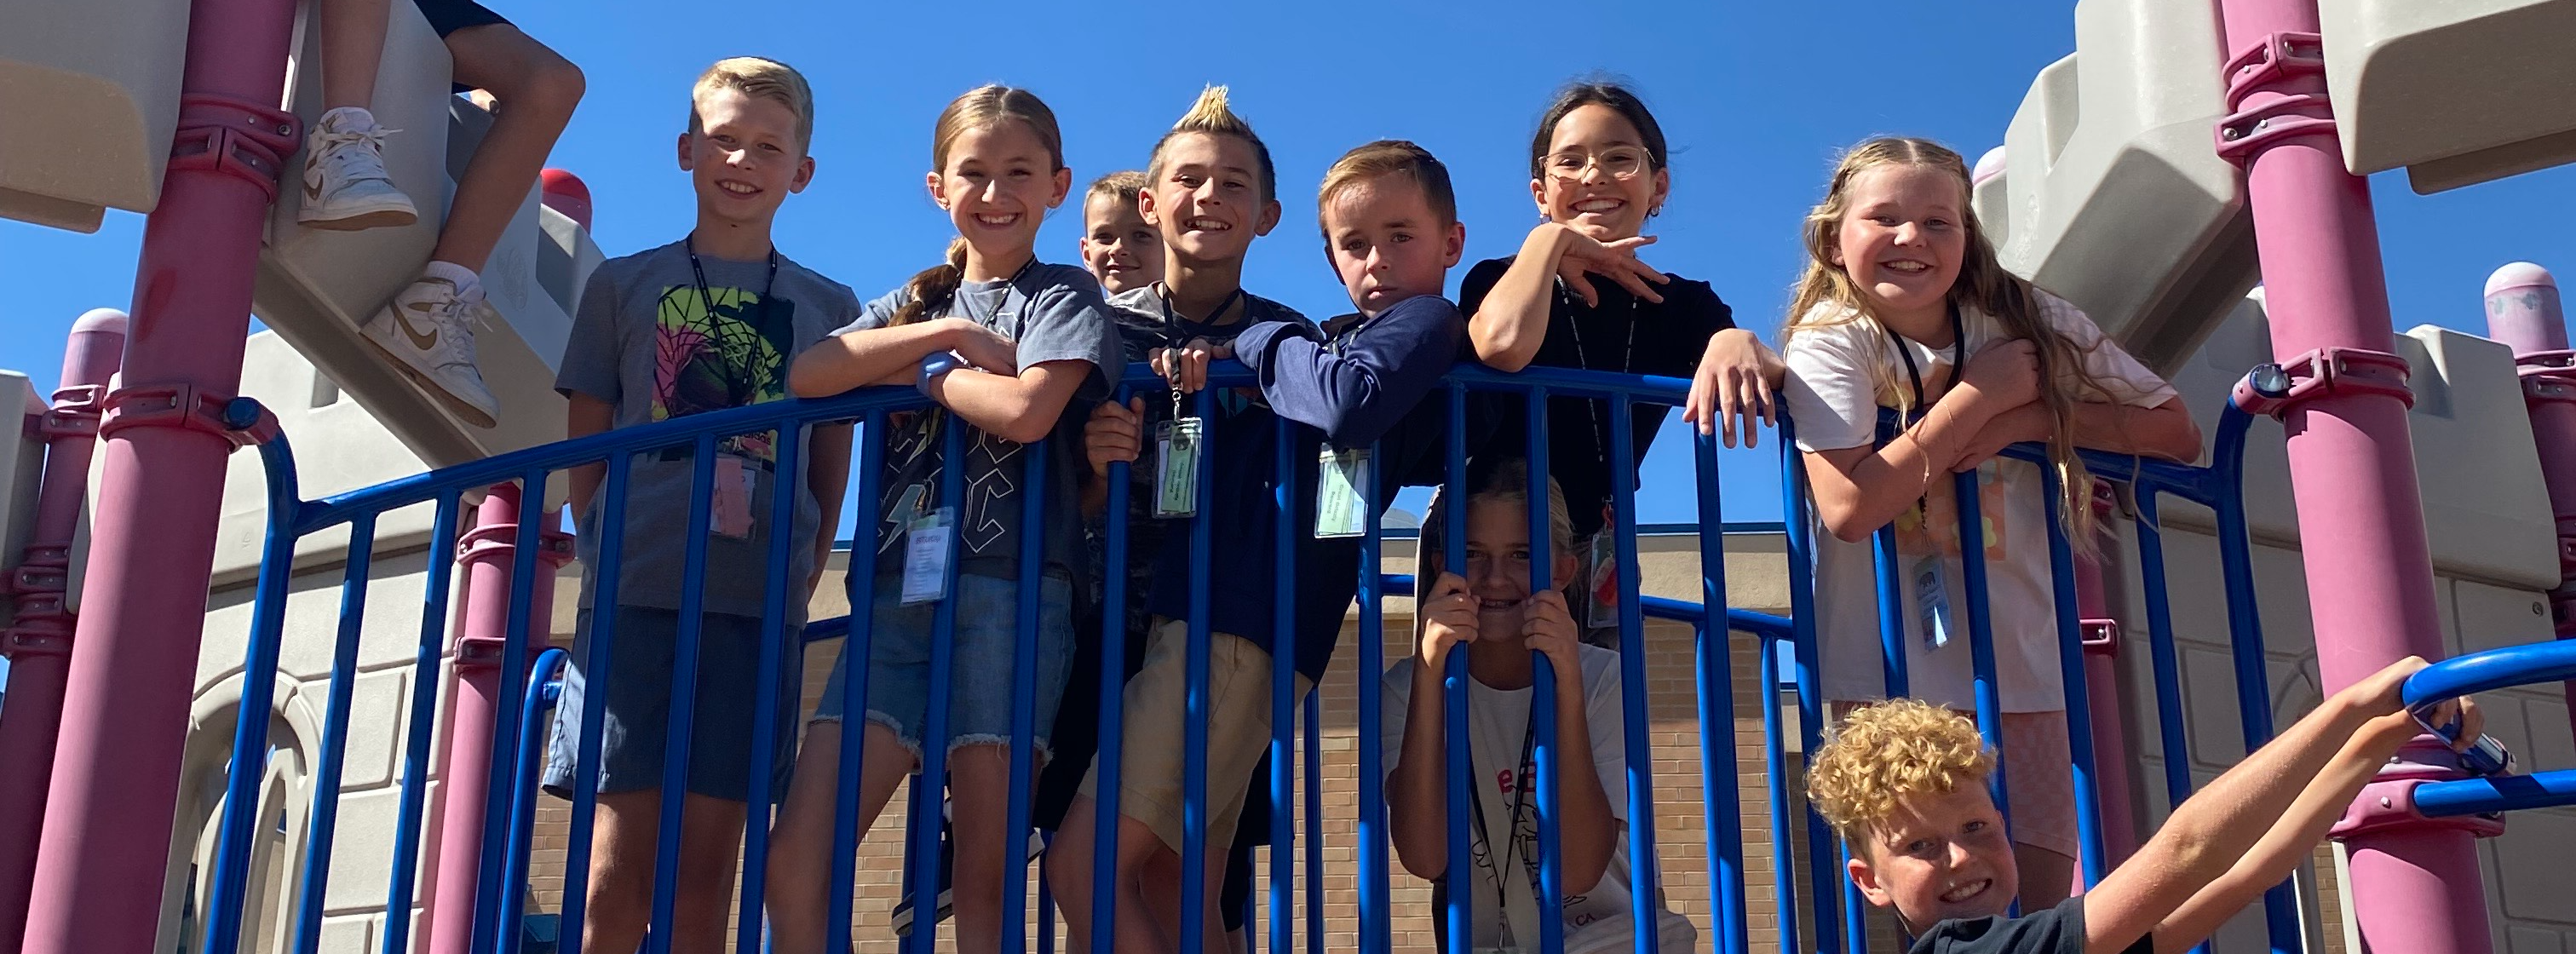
[
  {"x": 2523, "y": 309},
  {"x": 565, "y": 193},
  {"x": 1989, "y": 166}
]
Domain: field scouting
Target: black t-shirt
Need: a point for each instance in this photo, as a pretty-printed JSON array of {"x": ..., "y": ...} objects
[
  {"x": 1623, "y": 333},
  {"x": 2058, "y": 930}
]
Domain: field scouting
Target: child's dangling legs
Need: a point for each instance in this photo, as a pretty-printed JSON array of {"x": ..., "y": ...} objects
[{"x": 2039, "y": 777}]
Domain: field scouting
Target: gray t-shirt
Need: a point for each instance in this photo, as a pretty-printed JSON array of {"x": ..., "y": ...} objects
[
  {"x": 1053, "y": 313},
  {"x": 646, "y": 342}
]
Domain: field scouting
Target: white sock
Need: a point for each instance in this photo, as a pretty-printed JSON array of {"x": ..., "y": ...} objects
[{"x": 468, "y": 284}]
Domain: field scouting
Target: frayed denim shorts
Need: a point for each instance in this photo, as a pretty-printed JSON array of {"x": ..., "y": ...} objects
[{"x": 986, "y": 645}]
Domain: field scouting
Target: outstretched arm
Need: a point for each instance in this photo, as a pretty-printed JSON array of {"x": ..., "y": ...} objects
[{"x": 1355, "y": 393}]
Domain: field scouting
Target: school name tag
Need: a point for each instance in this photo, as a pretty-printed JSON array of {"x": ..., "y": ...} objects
[
  {"x": 925, "y": 558},
  {"x": 1932, "y": 601},
  {"x": 1341, "y": 508},
  {"x": 1176, "y": 467},
  {"x": 730, "y": 511}
]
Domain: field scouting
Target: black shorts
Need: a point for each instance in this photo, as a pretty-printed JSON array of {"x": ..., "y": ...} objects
[{"x": 449, "y": 16}]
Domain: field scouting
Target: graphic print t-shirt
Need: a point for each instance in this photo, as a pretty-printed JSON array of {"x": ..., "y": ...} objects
[{"x": 648, "y": 343}]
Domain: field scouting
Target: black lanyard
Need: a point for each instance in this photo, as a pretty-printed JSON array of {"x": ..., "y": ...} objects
[
  {"x": 1958, "y": 359},
  {"x": 1627, "y": 359},
  {"x": 738, "y": 386},
  {"x": 1180, "y": 326},
  {"x": 1522, "y": 779}
]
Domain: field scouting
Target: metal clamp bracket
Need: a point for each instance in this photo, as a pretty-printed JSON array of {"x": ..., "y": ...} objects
[
  {"x": 2275, "y": 390},
  {"x": 74, "y": 413},
  {"x": 2390, "y": 804},
  {"x": 2277, "y": 58},
  {"x": 2547, "y": 376},
  {"x": 2099, "y": 637},
  {"x": 239, "y": 420},
  {"x": 234, "y": 137}
]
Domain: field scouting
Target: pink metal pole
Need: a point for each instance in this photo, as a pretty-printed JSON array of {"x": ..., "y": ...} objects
[
  {"x": 2109, "y": 703},
  {"x": 39, "y": 642},
  {"x": 112, "y": 798},
  {"x": 2415, "y": 881},
  {"x": 487, "y": 552},
  {"x": 2523, "y": 312}
]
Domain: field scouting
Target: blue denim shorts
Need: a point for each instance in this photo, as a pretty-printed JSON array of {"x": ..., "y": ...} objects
[
  {"x": 636, "y": 729},
  {"x": 980, "y": 661}
]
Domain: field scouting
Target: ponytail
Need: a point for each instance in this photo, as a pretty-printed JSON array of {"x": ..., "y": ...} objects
[{"x": 933, "y": 287}]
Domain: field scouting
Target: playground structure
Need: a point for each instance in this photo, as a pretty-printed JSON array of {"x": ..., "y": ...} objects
[{"x": 2141, "y": 179}]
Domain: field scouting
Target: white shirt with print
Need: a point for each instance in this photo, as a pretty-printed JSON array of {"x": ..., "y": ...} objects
[{"x": 1840, "y": 375}]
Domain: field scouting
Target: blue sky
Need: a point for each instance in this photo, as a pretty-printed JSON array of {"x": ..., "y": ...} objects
[{"x": 1754, "y": 97}]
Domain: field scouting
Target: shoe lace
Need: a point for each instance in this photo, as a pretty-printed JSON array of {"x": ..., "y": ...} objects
[
  {"x": 339, "y": 152},
  {"x": 457, "y": 320}
]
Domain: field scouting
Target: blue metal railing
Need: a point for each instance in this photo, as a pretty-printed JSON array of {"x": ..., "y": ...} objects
[{"x": 1836, "y": 924}]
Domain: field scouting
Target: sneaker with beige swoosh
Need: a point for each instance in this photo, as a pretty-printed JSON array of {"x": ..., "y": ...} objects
[
  {"x": 428, "y": 330},
  {"x": 346, "y": 187}
]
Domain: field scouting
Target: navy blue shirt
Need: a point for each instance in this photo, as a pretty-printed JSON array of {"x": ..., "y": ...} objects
[
  {"x": 1352, "y": 382},
  {"x": 2058, "y": 930}
]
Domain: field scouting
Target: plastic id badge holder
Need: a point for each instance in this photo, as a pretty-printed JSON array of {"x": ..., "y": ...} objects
[
  {"x": 1340, "y": 507},
  {"x": 1176, "y": 467},
  {"x": 1932, "y": 600},
  {"x": 926, "y": 550}
]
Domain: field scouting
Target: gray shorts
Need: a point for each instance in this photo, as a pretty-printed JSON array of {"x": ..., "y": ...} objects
[{"x": 636, "y": 730}]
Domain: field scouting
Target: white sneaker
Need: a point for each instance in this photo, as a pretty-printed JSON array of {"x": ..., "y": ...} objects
[
  {"x": 427, "y": 328},
  {"x": 345, "y": 185}
]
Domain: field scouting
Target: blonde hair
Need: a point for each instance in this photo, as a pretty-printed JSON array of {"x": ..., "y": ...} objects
[
  {"x": 1500, "y": 481},
  {"x": 980, "y": 108},
  {"x": 1826, "y": 296},
  {"x": 1387, "y": 157},
  {"x": 1211, "y": 115},
  {"x": 758, "y": 78},
  {"x": 1880, "y": 754},
  {"x": 1119, "y": 186}
]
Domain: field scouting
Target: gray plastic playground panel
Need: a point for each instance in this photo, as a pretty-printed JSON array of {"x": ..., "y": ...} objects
[
  {"x": 93, "y": 103},
  {"x": 22, "y": 468},
  {"x": 2456, "y": 91},
  {"x": 316, "y": 287},
  {"x": 2114, "y": 197}
]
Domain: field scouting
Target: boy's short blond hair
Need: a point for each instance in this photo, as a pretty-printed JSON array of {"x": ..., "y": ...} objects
[
  {"x": 1121, "y": 186},
  {"x": 1392, "y": 157},
  {"x": 1884, "y": 752},
  {"x": 759, "y": 78},
  {"x": 1213, "y": 114}
]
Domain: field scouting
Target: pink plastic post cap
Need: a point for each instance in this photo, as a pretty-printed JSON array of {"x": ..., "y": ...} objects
[
  {"x": 2523, "y": 309},
  {"x": 1989, "y": 166},
  {"x": 565, "y": 193}
]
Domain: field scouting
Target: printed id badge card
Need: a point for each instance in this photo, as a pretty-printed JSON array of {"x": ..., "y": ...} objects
[
  {"x": 926, "y": 551},
  {"x": 1176, "y": 468},
  {"x": 1341, "y": 508},
  {"x": 1932, "y": 601},
  {"x": 734, "y": 488}
]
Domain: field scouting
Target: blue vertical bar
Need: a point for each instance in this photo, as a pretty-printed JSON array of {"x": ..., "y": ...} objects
[
  {"x": 1645, "y": 875},
  {"x": 684, "y": 695},
  {"x": 2070, "y": 661},
  {"x": 536, "y": 702},
  {"x": 1981, "y": 637},
  {"x": 322, "y": 825},
  {"x": 1314, "y": 776},
  {"x": 1194, "y": 795},
  {"x": 1722, "y": 807},
  {"x": 1113, "y": 700},
  {"x": 1283, "y": 685},
  {"x": 488, "y": 889},
  {"x": 1453, "y": 687},
  {"x": 1775, "y": 777},
  {"x": 249, "y": 763},
  {"x": 1824, "y": 883},
  {"x": 441, "y": 561},
  {"x": 1376, "y": 927},
  {"x": 861, "y": 581},
  {"x": 2160, "y": 650},
  {"x": 786, "y": 483},
  {"x": 1546, "y": 749},
  {"x": 1892, "y": 605},
  {"x": 922, "y": 862},
  {"x": 2253, "y": 686},
  {"x": 594, "y": 703},
  {"x": 1024, "y": 692},
  {"x": 1046, "y": 913}
]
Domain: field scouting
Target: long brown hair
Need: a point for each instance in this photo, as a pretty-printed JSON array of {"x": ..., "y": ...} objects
[
  {"x": 981, "y": 108},
  {"x": 1827, "y": 296}
]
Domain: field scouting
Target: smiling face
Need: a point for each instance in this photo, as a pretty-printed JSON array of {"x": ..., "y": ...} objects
[
  {"x": 1205, "y": 198},
  {"x": 1940, "y": 857},
  {"x": 1901, "y": 238},
  {"x": 1387, "y": 243},
  {"x": 745, "y": 159},
  {"x": 1117, "y": 246},
  {"x": 1498, "y": 564},
  {"x": 1598, "y": 176},
  {"x": 996, "y": 183}
]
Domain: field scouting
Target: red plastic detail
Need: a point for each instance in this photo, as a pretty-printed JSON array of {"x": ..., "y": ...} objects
[
  {"x": 2331, "y": 371},
  {"x": 75, "y": 412},
  {"x": 183, "y": 406},
  {"x": 232, "y": 136},
  {"x": 2099, "y": 637},
  {"x": 566, "y": 193},
  {"x": 2390, "y": 804}
]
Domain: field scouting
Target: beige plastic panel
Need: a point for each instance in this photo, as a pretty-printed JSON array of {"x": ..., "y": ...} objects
[
  {"x": 316, "y": 287},
  {"x": 2115, "y": 199},
  {"x": 2486, "y": 511},
  {"x": 93, "y": 100},
  {"x": 22, "y": 468},
  {"x": 2459, "y": 91}
]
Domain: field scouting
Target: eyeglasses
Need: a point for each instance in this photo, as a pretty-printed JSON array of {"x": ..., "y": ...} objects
[{"x": 1618, "y": 162}]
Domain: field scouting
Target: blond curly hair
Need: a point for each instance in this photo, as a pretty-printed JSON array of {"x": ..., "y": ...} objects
[{"x": 1881, "y": 753}]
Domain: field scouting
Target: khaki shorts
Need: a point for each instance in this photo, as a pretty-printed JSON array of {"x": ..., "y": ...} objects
[{"x": 1154, "y": 749}]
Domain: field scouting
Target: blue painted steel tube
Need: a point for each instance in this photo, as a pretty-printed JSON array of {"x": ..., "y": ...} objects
[
  {"x": 2489, "y": 670},
  {"x": 1453, "y": 687},
  {"x": 1547, "y": 751},
  {"x": 2079, "y": 700},
  {"x": 2477, "y": 796},
  {"x": 2161, "y": 653},
  {"x": 787, "y": 466},
  {"x": 1113, "y": 706},
  {"x": 1775, "y": 776},
  {"x": 922, "y": 861},
  {"x": 2245, "y": 638},
  {"x": 1046, "y": 913},
  {"x": 1645, "y": 880},
  {"x": 1981, "y": 633},
  {"x": 1194, "y": 743},
  {"x": 249, "y": 765},
  {"x": 322, "y": 825},
  {"x": 861, "y": 581},
  {"x": 424, "y": 711},
  {"x": 1892, "y": 607},
  {"x": 536, "y": 702},
  {"x": 684, "y": 682},
  {"x": 1024, "y": 692},
  {"x": 1314, "y": 776},
  {"x": 1722, "y": 807},
  {"x": 594, "y": 704},
  {"x": 1824, "y": 883},
  {"x": 488, "y": 887},
  {"x": 1376, "y": 927},
  {"x": 1283, "y": 686}
]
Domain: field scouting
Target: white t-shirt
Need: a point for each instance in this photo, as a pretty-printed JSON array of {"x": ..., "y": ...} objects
[
  {"x": 1497, "y": 725},
  {"x": 1840, "y": 375}
]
